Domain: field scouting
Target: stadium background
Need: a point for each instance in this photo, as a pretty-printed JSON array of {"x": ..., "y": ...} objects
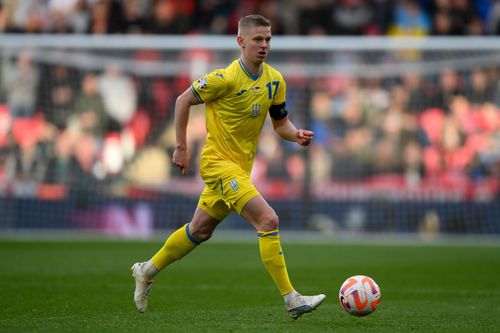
[{"x": 403, "y": 96}]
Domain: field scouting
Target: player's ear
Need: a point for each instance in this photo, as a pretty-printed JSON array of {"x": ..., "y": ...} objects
[{"x": 240, "y": 41}]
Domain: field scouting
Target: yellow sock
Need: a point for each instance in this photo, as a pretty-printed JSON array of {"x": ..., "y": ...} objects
[
  {"x": 272, "y": 257},
  {"x": 177, "y": 245}
]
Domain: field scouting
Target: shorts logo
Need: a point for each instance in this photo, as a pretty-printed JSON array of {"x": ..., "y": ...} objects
[
  {"x": 234, "y": 184},
  {"x": 255, "y": 110}
]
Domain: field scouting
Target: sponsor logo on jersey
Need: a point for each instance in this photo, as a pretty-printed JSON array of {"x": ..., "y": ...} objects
[
  {"x": 219, "y": 75},
  {"x": 241, "y": 92}
]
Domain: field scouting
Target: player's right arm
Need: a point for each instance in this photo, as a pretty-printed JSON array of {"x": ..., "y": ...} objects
[
  {"x": 183, "y": 104},
  {"x": 206, "y": 88}
]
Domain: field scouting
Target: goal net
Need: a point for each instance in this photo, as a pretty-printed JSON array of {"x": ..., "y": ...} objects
[{"x": 407, "y": 134}]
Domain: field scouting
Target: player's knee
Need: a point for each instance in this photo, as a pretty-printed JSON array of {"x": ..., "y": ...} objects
[
  {"x": 202, "y": 234},
  {"x": 269, "y": 222}
]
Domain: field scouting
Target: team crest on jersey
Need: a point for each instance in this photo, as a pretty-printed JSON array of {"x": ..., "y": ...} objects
[
  {"x": 201, "y": 83},
  {"x": 255, "y": 110}
]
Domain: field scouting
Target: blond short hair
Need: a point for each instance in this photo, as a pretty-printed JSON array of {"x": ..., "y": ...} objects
[{"x": 253, "y": 20}]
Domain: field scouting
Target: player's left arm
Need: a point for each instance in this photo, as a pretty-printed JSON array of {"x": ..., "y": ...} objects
[
  {"x": 279, "y": 115},
  {"x": 287, "y": 130}
]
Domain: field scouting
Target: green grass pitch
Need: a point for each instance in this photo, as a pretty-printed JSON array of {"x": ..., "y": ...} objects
[{"x": 86, "y": 286}]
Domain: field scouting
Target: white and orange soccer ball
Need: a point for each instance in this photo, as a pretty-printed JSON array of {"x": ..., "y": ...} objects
[{"x": 359, "y": 295}]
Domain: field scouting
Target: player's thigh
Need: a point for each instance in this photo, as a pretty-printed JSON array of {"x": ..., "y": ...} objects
[
  {"x": 260, "y": 214},
  {"x": 213, "y": 204}
]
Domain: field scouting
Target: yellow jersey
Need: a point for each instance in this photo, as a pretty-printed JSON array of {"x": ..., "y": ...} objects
[{"x": 237, "y": 104}]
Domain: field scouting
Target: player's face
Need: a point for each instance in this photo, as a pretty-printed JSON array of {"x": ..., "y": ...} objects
[{"x": 255, "y": 43}]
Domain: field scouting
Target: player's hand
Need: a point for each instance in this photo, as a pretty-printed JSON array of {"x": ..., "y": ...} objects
[
  {"x": 304, "y": 137},
  {"x": 181, "y": 159}
]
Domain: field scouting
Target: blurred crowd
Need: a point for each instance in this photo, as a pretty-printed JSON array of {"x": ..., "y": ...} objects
[
  {"x": 101, "y": 131},
  {"x": 290, "y": 17}
]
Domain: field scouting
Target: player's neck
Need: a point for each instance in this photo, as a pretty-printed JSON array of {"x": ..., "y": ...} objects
[{"x": 253, "y": 68}]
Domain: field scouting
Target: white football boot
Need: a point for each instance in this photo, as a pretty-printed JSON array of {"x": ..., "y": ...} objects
[
  {"x": 300, "y": 304},
  {"x": 142, "y": 287}
]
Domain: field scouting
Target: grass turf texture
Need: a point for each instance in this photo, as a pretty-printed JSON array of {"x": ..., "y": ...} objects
[{"x": 222, "y": 287}]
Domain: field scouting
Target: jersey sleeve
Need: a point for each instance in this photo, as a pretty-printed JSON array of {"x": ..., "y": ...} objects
[
  {"x": 278, "y": 109},
  {"x": 210, "y": 86},
  {"x": 280, "y": 95}
]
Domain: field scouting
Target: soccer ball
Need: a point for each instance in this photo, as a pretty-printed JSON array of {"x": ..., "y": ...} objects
[{"x": 359, "y": 295}]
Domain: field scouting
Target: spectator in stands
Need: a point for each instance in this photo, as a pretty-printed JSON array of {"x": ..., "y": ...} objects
[
  {"x": 417, "y": 91},
  {"x": 60, "y": 11},
  {"x": 321, "y": 164},
  {"x": 78, "y": 19},
  {"x": 461, "y": 110},
  {"x": 412, "y": 163},
  {"x": 165, "y": 19},
  {"x": 119, "y": 96},
  {"x": 352, "y": 156},
  {"x": 21, "y": 85},
  {"x": 493, "y": 23},
  {"x": 28, "y": 160},
  {"x": 83, "y": 170},
  {"x": 274, "y": 155},
  {"x": 106, "y": 17},
  {"x": 30, "y": 17},
  {"x": 4, "y": 18},
  {"x": 373, "y": 97},
  {"x": 449, "y": 85},
  {"x": 454, "y": 157},
  {"x": 475, "y": 27},
  {"x": 59, "y": 163},
  {"x": 478, "y": 90},
  {"x": 410, "y": 20},
  {"x": 462, "y": 13},
  {"x": 442, "y": 24},
  {"x": 352, "y": 17},
  {"x": 386, "y": 157},
  {"x": 489, "y": 158},
  {"x": 134, "y": 22},
  {"x": 313, "y": 17},
  {"x": 58, "y": 94},
  {"x": 89, "y": 113},
  {"x": 214, "y": 17},
  {"x": 274, "y": 11},
  {"x": 384, "y": 15},
  {"x": 322, "y": 122}
]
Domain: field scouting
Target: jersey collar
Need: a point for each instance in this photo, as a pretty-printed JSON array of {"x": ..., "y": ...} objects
[{"x": 247, "y": 72}]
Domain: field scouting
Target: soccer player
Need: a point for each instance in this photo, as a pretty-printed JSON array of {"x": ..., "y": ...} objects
[{"x": 237, "y": 99}]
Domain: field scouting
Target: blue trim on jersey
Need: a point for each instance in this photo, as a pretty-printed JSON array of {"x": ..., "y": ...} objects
[
  {"x": 197, "y": 95},
  {"x": 264, "y": 234},
  {"x": 191, "y": 238},
  {"x": 250, "y": 75}
]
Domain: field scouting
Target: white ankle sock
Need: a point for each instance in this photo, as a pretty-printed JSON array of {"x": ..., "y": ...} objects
[
  {"x": 149, "y": 269},
  {"x": 290, "y": 297}
]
